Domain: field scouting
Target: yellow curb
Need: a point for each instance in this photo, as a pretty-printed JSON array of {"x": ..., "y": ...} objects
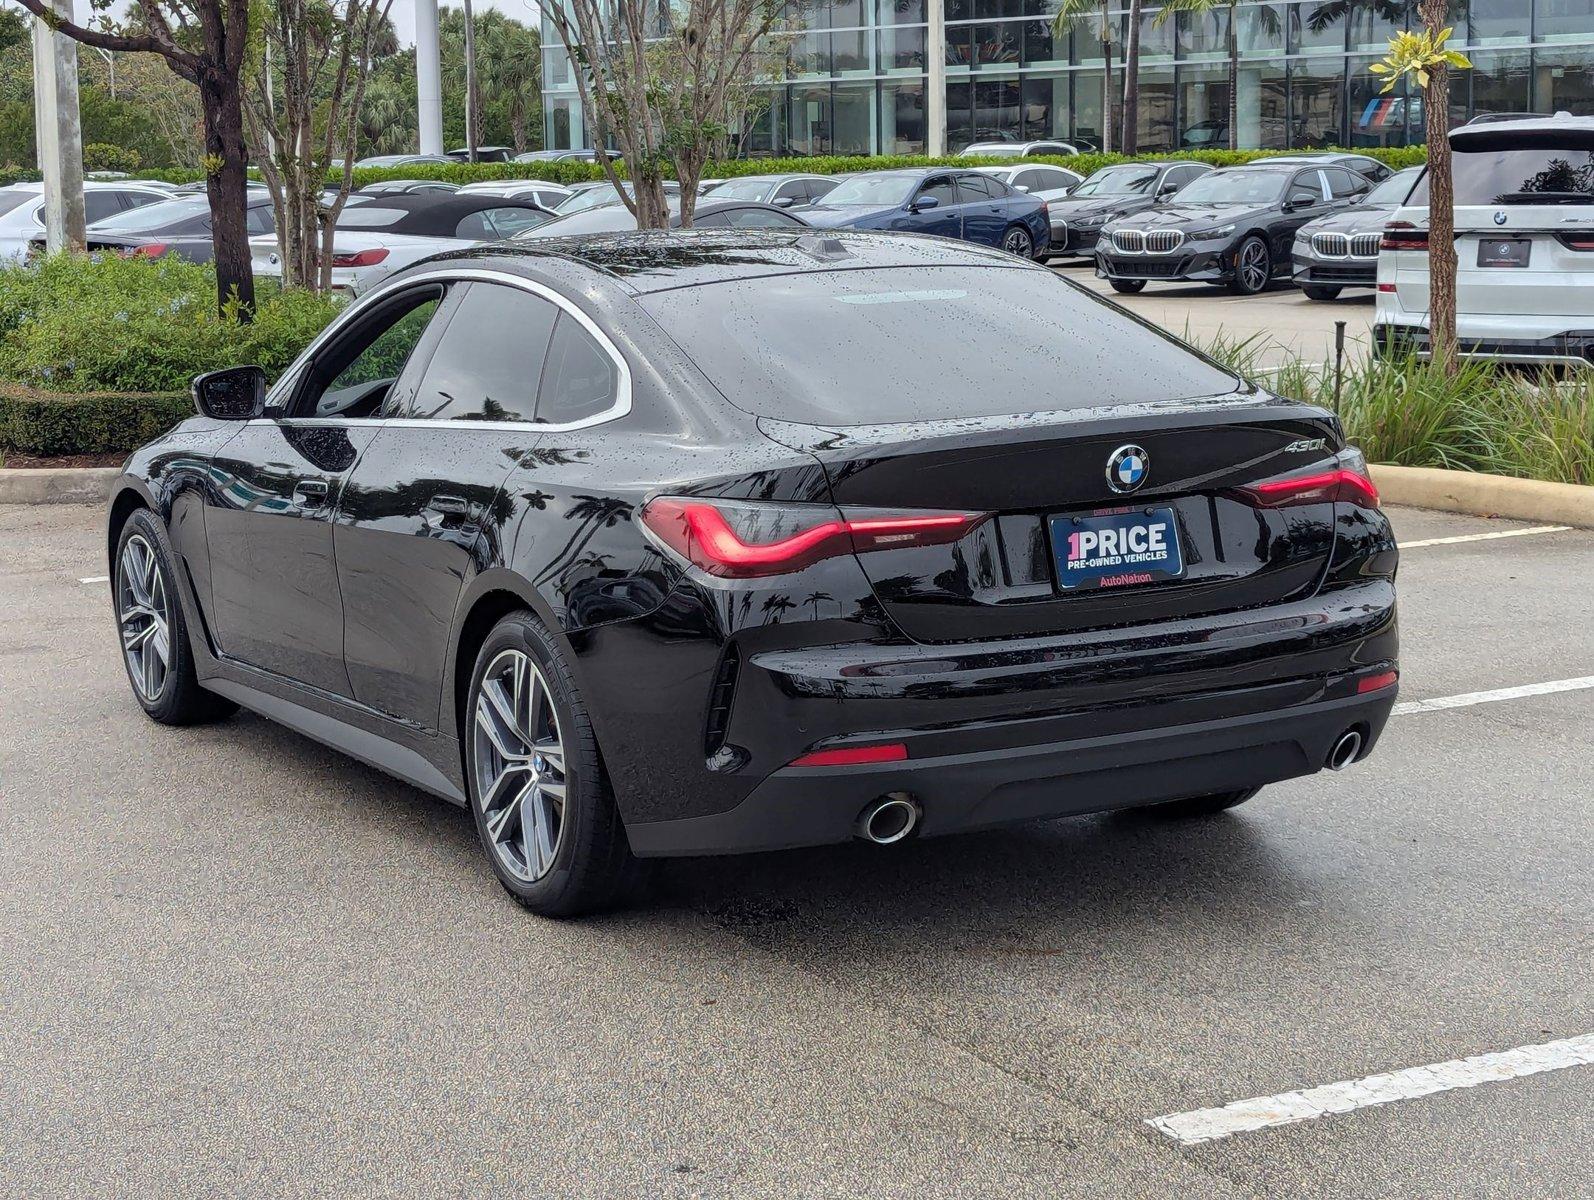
[
  {"x": 1486, "y": 495},
  {"x": 56, "y": 485}
]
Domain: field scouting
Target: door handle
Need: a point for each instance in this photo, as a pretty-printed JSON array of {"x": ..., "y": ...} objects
[
  {"x": 449, "y": 506},
  {"x": 310, "y": 493}
]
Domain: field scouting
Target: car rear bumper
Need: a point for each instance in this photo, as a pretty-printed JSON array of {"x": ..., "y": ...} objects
[
  {"x": 1573, "y": 349},
  {"x": 980, "y": 789},
  {"x": 1036, "y": 728}
]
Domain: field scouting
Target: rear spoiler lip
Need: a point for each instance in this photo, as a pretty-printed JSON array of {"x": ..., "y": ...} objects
[{"x": 1247, "y": 404}]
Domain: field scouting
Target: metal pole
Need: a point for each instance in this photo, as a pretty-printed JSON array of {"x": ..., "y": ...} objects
[
  {"x": 1339, "y": 362},
  {"x": 470, "y": 82},
  {"x": 935, "y": 79},
  {"x": 58, "y": 137},
  {"x": 428, "y": 77}
]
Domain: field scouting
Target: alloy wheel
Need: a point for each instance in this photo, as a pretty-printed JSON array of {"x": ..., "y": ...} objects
[
  {"x": 1253, "y": 266},
  {"x": 519, "y": 763},
  {"x": 1017, "y": 241},
  {"x": 143, "y": 612}
]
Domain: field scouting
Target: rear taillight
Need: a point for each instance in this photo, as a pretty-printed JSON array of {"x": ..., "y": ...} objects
[
  {"x": 147, "y": 250},
  {"x": 1577, "y": 241},
  {"x": 740, "y": 539},
  {"x": 1402, "y": 235},
  {"x": 1346, "y": 483},
  {"x": 360, "y": 258}
]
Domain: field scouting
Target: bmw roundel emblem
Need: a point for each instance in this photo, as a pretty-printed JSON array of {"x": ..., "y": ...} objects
[
  {"x": 1127, "y": 468},
  {"x": 1499, "y": 218}
]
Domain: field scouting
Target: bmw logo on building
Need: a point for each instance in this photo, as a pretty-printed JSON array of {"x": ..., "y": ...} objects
[{"x": 1127, "y": 468}]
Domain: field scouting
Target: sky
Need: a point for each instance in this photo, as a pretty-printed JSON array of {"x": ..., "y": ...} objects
[{"x": 403, "y": 13}]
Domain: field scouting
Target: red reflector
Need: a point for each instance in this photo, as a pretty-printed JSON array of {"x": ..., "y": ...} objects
[
  {"x": 1377, "y": 683},
  {"x": 1386, "y": 287},
  {"x": 852, "y": 756},
  {"x": 1340, "y": 484},
  {"x": 698, "y": 531},
  {"x": 150, "y": 250},
  {"x": 361, "y": 258}
]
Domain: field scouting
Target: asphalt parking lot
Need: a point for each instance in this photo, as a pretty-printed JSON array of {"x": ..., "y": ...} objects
[
  {"x": 1283, "y": 320},
  {"x": 234, "y": 962}
]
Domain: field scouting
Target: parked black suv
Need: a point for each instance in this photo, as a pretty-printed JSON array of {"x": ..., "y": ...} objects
[{"x": 1232, "y": 227}]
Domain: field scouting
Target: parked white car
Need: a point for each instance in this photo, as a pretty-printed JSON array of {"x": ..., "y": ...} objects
[
  {"x": 22, "y": 208},
  {"x": 1524, "y": 246},
  {"x": 388, "y": 233},
  {"x": 539, "y": 191}
]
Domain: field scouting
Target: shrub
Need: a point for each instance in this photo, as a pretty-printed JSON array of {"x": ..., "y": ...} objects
[
  {"x": 138, "y": 325},
  {"x": 1498, "y": 419},
  {"x": 102, "y": 156},
  {"x": 47, "y": 424}
]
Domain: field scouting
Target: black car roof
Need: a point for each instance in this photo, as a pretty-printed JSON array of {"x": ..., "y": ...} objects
[
  {"x": 436, "y": 213},
  {"x": 657, "y": 260}
]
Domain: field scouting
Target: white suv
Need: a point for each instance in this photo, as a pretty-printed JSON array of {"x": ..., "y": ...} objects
[{"x": 1524, "y": 246}]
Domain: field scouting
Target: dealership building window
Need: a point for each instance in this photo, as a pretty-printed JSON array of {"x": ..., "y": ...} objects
[{"x": 855, "y": 75}]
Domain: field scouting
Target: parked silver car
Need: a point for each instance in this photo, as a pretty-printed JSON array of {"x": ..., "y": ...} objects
[{"x": 1341, "y": 249}]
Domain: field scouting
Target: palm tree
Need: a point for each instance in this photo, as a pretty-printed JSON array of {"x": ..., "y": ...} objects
[
  {"x": 1129, "y": 143},
  {"x": 509, "y": 57},
  {"x": 1075, "y": 12},
  {"x": 1264, "y": 13}
]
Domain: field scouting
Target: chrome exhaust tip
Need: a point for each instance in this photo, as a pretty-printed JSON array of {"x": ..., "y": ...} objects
[
  {"x": 1345, "y": 750},
  {"x": 889, "y": 819}
]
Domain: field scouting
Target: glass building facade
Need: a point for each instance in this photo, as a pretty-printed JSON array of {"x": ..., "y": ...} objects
[{"x": 855, "y": 75}]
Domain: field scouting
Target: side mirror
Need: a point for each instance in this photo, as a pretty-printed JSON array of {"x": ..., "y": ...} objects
[
  {"x": 1167, "y": 189},
  {"x": 785, "y": 201},
  {"x": 925, "y": 203},
  {"x": 1019, "y": 187},
  {"x": 231, "y": 394},
  {"x": 1301, "y": 202}
]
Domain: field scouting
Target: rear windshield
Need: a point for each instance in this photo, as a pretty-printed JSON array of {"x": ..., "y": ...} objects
[
  {"x": 960, "y": 342},
  {"x": 1540, "y": 175},
  {"x": 153, "y": 216},
  {"x": 10, "y": 200}
]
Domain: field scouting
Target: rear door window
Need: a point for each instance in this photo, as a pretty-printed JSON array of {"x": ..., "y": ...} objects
[
  {"x": 488, "y": 361},
  {"x": 580, "y": 380},
  {"x": 806, "y": 347}
]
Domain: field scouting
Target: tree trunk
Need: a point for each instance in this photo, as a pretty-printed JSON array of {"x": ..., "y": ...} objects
[
  {"x": 1441, "y": 222},
  {"x": 226, "y": 187},
  {"x": 1234, "y": 77},
  {"x": 471, "y": 113},
  {"x": 1106, "y": 82},
  {"x": 1129, "y": 143}
]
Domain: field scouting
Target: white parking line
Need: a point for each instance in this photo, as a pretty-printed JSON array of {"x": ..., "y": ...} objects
[
  {"x": 96, "y": 579},
  {"x": 1467, "y": 699},
  {"x": 1286, "y": 1108},
  {"x": 1484, "y": 537}
]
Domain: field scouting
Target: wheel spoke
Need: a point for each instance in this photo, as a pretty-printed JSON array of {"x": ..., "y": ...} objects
[
  {"x": 504, "y": 819},
  {"x": 536, "y": 820},
  {"x": 490, "y": 722},
  {"x": 134, "y": 639}
]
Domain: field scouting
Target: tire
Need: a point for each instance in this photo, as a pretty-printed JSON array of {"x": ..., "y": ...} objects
[
  {"x": 1202, "y": 806},
  {"x": 1018, "y": 240},
  {"x": 556, "y": 857},
  {"x": 1253, "y": 267},
  {"x": 156, "y": 652},
  {"x": 1128, "y": 286},
  {"x": 1320, "y": 291}
]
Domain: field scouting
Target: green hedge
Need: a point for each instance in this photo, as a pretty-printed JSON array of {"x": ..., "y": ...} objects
[{"x": 45, "y": 423}]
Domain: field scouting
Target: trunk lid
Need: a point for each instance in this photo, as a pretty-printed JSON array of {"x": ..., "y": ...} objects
[{"x": 1001, "y": 579}]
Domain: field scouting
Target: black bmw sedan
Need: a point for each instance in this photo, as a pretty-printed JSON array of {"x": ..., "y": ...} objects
[
  {"x": 722, "y": 541},
  {"x": 1233, "y": 227},
  {"x": 1111, "y": 193}
]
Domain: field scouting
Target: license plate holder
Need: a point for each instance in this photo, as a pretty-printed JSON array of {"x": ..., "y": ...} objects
[
  {"x": 1123, "y": 548},
  {"x": 1504, "y": 252}
]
